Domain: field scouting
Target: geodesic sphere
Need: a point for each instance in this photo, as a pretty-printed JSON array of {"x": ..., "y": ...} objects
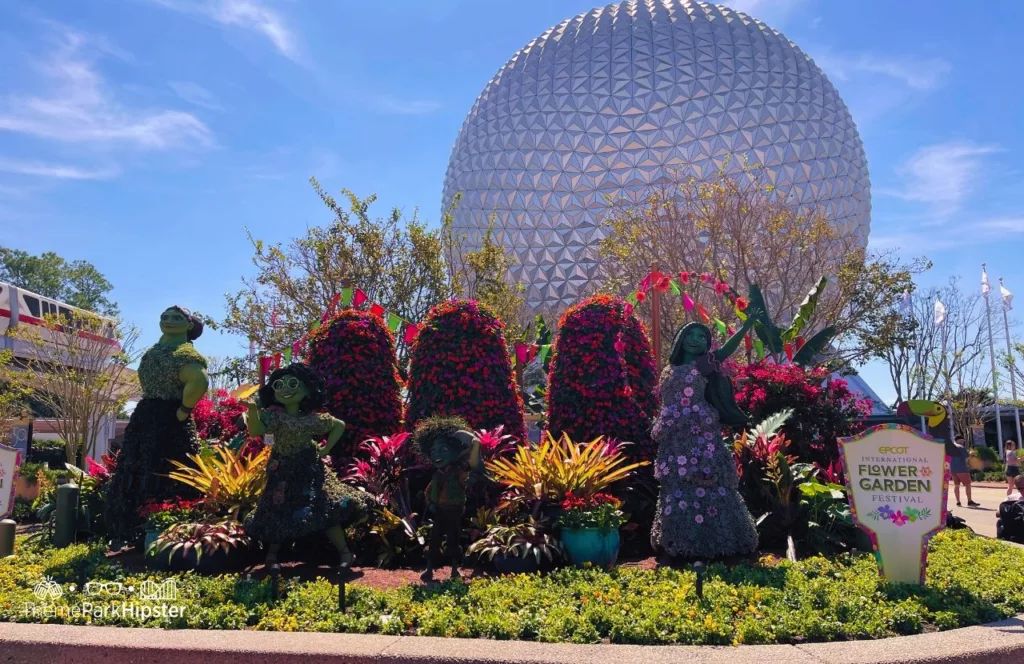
[{"x": 631, "y": 95}]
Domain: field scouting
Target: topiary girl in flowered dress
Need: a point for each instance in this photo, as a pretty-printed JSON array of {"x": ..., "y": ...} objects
[{"x": 700, "y": 511}]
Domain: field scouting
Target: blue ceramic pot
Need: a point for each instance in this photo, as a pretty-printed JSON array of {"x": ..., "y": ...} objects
[
  {"x": 151, "y": 536},
  {"x": 590, "y": 545}
]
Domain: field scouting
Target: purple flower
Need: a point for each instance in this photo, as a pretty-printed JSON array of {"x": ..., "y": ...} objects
[
  {"x": 688, "y": 391},
  {"x": 885, "y": 511},
  {"x": 681, "y": 460},
  {"x": 668, "y": 509},
  {"x": 707, "y": 470},
  {"x": 686, "y": 412},
  {"x": 708, "y": 420},
  {"x": 678, "y": 493},
  {"x": 708, "y": 435},
  {"x": 682, "y": 504},
  {"x": 701, "y": 492},
  {"x": 689, "y": 379},
  {"x": 696, "y": 505},
  {"x": 712, "y": 511},
  {"x": 699, "y": 518},
  {"x": 721, "y": 491},
  {"x": 695, "y": 429},
  {"x": 682, "y": 471},
  {"x": 707, "y": 454}
]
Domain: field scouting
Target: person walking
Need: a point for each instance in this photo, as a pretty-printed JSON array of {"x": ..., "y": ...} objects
[
  {"x": 1012, "y": 465},
  {"x": 960, "y": 471}
]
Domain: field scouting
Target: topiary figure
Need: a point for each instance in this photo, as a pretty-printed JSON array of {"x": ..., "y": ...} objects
[
  {"x": 459, "y": 366},
  {"x": 354, "y": 354},
  {"x": 453, "y": 452},
  {"x": 602, "y": 380}
]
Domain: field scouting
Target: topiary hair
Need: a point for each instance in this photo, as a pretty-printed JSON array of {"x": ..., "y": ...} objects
[{"x": 433, "y": 429}]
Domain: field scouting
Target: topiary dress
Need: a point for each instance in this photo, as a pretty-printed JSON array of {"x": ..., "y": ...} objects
[
  {"x": 700, "y": 511},
  {"x": 301, "y": 495},
  {"x": 153, "y": 438}
]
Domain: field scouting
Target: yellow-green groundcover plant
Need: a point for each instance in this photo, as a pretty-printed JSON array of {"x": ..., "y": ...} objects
[{"x": 970, "y": 580}]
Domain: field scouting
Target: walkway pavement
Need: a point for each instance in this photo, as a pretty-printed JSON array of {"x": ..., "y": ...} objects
[
  {"x": 999, "y": 643},
  {"x": 982, "y": 520}
]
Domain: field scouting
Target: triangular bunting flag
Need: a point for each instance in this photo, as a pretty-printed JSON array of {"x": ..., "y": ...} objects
[
  {"x": 287, "y": 355},
  {"x": 703, "y": 313},
  {"x": 720, "y": 326},
  {"x": 645, "y": 285},
  {"x": 394, "y": 322},
  {"x": 521, "y": 353},
  {"x": 631, "y": 298},
  {"x": 346, "y": 297},
  {"x": 687, "y": 302},
  {"x": 410, "y": 332},
  {"x": 759, "y": 347},
  {"x": 358, "y": 298},
  {"x": 545, "y": 350},
  {"x": 377, "y": 310},
  {"x": 297, "y": 349},
  {"x": 277, "y": 360},
  {"x": 674, "y": 285}
]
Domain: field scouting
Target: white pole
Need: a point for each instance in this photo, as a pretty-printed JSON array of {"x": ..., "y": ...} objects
[
  {"x": 995, "y": 375},
  {"x": 1009, "y": 358}
]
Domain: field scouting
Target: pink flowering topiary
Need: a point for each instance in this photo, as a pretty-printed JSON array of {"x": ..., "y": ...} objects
[
  {"x": 459, "y": 366},
  {"x": 602, "y": 380},
  {"x": 354, "y": 354}
]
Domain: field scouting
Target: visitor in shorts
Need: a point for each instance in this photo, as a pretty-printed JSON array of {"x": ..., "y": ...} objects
[
  {"x": 960, "y": 472},
  {"x": 1012, "y": 464}
]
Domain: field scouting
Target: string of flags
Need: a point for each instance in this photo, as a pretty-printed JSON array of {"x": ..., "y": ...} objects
[
  {"x": 664, "y": 283},
  {"x": 348, "y": 297}
]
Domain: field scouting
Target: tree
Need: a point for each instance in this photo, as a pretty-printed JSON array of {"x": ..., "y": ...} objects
[
  {"x": 75, "y": 374},
  {"x": 77, "y": 283},
  {"x": 228, "y": 373},
  {"x": 397, "y": 262},
  {"x": 744, "y": 232},
  {"x": 14, "y": 398},
  {"x": 483, "y": 275}
]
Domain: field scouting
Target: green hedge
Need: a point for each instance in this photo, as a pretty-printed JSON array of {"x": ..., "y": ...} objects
[{"x": 970, "y": 580}]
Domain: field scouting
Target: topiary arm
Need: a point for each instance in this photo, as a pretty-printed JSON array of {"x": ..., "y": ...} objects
[
  {"x": 333, "y": 436},
  {"x": 196, "y": 384},
  {"x": 253, "y": 424},
  {"x": 730, "y": 346}
]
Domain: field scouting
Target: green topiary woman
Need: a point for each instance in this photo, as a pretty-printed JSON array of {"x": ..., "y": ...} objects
[
  {"x": 172, "y": 375},
  {"x": 301, "y": 496},
  {"x": 700, "y": 512}
]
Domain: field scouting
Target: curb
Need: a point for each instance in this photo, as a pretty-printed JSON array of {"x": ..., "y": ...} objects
[{"x": 66, "y": 644}]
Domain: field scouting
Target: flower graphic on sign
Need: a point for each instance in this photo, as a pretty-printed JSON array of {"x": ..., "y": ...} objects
[
  {"x": 899, "y": 518},
  {"x": 926, "y": 471}
]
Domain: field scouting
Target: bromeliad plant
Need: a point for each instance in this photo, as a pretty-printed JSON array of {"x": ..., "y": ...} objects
[
  {"x": 546, "y": 473},
  {"x": 228, "y": 481},
  {"x": 600, "y": 510},
  {"x": 187, "y": 543},
  {"x": 523, "y": 540}
]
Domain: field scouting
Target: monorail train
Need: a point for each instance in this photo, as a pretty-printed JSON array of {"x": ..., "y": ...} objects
[{"x": 21, "y": 307}]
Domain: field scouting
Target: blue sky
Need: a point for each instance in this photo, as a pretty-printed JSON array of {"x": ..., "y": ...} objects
[{"x": 143, "y": 135}]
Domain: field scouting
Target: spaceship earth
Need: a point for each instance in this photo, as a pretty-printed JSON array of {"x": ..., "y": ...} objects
[{"x": 630, "y": 96}]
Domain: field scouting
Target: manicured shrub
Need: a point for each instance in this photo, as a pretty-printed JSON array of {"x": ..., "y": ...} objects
[
  {"x": 459, "y": 366},
  {"x": 602, "y": 380},
  {"x": 354, "y": 354},
  {"x": 823, "y": 410}
]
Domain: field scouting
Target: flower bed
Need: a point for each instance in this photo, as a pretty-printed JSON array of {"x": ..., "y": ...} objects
[{"x": 970, "y": 580}]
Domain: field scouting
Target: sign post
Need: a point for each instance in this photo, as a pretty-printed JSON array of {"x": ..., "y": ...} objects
[
  {"x": 897, "y": 480},
  {"x": 10, "y": 459}
]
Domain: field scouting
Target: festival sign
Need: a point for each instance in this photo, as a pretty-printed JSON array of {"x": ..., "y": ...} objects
[
  {"x": 897, "y": 481},
  {"x": 10, "y": 459}
]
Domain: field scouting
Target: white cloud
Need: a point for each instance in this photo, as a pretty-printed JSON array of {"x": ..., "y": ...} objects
[
  {"x": 195, "y": 94},
  {"x": 943, "y": 175},
  {"x": 59, "y": 171},
  {"x": 77, "y": 106},
  {"x": 249, "y": 15},
  {"x": 916, "y": 73}
]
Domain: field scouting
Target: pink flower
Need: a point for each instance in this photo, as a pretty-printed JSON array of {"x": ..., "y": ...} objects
[
  {"x": 682, "y": 471},
  {"x": 684, "y": 401},
  {"x": 682, "y": 504},
  {"x": 699, "y": 518},
  {"x": 712, "y": 511},
  {"x": 688, "y": 391},
  {"x": 700, "y": 492},
  {"x": 899, "y": 518}
]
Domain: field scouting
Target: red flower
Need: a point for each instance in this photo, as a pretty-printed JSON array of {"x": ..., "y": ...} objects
[
  {"x": 707, "y": 277},
  {"x": 641, "y": 296},
  {"x": 742, "y": 304},
  {"x": 663, "y": 284},
  {"x": 720, "y": 288},
  {"x": 684, "y": 277}
]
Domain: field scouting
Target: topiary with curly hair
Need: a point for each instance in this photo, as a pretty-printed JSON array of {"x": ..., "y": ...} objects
[
  {"x": 438, "y": 427},
  {"x": 354, "y": 354},
  {"x": 459, "y": 365},
  {"x": 602, "y": 380}
]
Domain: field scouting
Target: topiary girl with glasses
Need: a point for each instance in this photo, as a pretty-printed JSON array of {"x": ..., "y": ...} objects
[
  {"x": 172, "y": 375},
  {"x": 301, "y": 496}
]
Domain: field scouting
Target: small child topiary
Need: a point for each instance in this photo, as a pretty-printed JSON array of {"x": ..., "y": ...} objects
[
  {"x": 602, "y": 380},
  {"x": 459, "y": 366},
  {"x": 354, "y": 354}
]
